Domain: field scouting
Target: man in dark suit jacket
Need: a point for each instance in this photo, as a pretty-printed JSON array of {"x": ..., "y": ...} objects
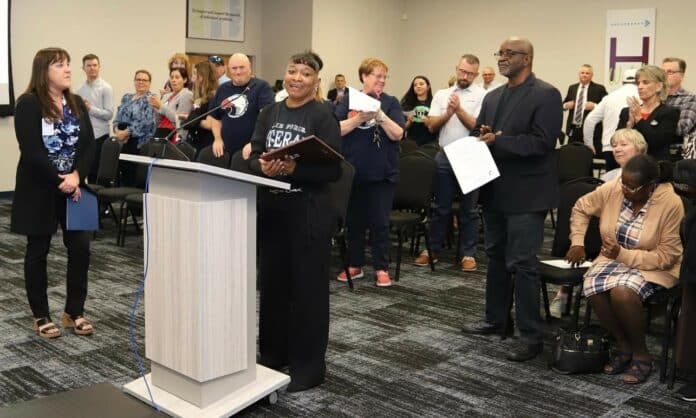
[
  {"x": 592, "y": 94},
  {"x": 335, "y": 95},
  {"x": 521, "y": 122}
]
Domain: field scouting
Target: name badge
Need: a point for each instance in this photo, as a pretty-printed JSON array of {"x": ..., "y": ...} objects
[{"x": 47, "y": 128}]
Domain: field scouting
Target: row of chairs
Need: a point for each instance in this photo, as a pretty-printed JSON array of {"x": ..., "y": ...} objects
[{"x": 130, "y": 198}]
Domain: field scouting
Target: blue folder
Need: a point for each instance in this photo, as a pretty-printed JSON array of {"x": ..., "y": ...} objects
[{"x": 82, "y": 215}]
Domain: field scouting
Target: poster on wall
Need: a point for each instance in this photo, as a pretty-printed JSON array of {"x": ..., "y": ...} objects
[
  {"x": 216, "y": 19},
  {"x": 630, "y": 42}
]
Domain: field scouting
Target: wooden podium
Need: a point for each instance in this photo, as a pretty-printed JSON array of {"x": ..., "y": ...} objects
[{"x": 200, "y": 290}]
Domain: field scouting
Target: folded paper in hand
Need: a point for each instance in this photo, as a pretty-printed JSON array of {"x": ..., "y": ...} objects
[
  {"x": 362, "y": 102},
  {"x": 82, "y": 215},
  {"x": 562, "y": 264},
  {"x": 472, "y": 163},
  {"x": 308, "y": 150}
]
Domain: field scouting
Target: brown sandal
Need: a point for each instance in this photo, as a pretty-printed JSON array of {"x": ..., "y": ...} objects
[
  {"x": 78, "y": 323},
  {"x": 46, "y": 329}
]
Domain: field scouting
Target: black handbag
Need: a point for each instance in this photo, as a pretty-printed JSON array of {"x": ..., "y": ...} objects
[{"x": 585, "y": 350}]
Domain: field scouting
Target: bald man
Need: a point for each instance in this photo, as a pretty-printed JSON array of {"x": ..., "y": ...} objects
[
  {"x": 233, "y": 124},
  {"x": 488, "y": 76},
  {"x": 520, "y": 122}
]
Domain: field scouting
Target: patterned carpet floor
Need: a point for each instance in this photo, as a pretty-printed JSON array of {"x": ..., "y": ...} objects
[{"x": 393, "y": 352}]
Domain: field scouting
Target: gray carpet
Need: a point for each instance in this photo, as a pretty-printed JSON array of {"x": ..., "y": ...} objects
[{"x": 393, "y": 352}]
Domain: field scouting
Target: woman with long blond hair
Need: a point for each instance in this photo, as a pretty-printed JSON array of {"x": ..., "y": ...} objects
[{"x": 205, "y": 86}]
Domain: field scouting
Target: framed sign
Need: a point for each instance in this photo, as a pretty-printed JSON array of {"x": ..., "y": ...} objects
[{"x": 215, "y": 19}]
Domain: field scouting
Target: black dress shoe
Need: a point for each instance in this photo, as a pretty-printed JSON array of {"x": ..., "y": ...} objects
[
  {"x": 486, "y": 328},
  {"x": 524, "y": 352},
  {"x": 297, "y": 386}
]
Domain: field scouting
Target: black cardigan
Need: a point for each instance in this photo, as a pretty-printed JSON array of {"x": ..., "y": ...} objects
[
  {"x": 659, "y": 129},
  {"x": 36, "y": 184}
]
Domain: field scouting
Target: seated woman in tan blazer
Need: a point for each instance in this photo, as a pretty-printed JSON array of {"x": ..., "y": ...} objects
[{"x": 639, "y": 217}]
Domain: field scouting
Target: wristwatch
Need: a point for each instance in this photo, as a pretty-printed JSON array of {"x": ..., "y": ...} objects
[{"x": 380, "y": 117}]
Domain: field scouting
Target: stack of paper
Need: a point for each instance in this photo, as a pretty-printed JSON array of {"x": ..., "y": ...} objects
[
  {"x": 362, "y": 102},
  {"x": 472, "y": 163}
]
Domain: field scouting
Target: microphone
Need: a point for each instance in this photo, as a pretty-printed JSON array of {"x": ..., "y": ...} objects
[{"x": 225, "y": 104}]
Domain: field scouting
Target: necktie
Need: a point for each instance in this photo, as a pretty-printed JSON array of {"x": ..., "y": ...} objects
[{"x": 579, "y": 107}]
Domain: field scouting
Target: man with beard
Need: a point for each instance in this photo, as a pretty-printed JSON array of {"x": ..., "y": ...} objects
[
  {"x": 521, "y": 122},
  {"x": 453, "y": 113}
]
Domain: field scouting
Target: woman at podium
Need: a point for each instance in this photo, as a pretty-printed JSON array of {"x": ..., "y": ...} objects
[
  {"x": 294, "y": 229},
  {"x": 56, "y": 145}
]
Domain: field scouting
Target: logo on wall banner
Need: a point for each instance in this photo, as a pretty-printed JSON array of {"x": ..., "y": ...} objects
[{"x": 630, "y": 42}]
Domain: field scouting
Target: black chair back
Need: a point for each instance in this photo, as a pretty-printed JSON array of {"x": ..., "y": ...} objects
[
  {"x": 157, "y": 148},
  {"x": 415, "y": 189},
  {"x": 570, "y": 193},
  {"x": 339, "y": 191},
  {"x": 574, "y": 161},
  {"x": 108, "y": 163},
  {"x": 238, "y": 163},
  {"x": 188, "y": 150},
  {"x": 206, "y": 157},
  {"x": 430, "y": 149}
]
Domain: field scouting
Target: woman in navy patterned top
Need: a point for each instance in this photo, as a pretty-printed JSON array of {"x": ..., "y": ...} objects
[
  {"x": 134, "y": 123},
  {"x": 56, "y": 145}
]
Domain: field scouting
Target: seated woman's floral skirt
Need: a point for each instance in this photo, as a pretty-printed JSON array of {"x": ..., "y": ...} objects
[{"x": 607, "y": 275}]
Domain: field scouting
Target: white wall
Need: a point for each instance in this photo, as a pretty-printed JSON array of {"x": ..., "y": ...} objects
[
  {"x": 565, "y": 34},
  {"x": 287, "y": 30},
  {"x": 346, "y": 32},
  {"x": 125, "y": 34}
]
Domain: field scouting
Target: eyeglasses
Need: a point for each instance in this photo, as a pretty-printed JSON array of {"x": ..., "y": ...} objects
[
  {"x": 142, "y": 80},
  {"x": 379, "y": 77},
  {"x": 672, "y": 72},
  {"x": 631, "y": 189},
  {"x": 466, "y": 74},
  {"x": 508, "y": 53}
]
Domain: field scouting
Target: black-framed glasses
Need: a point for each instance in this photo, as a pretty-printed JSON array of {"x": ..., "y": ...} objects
[
  {"x": 467, "y": 74},
  {"x": 508, "y": 53},
  {"x": 672, "y": 72},
  {"x": 632, "y": 189}
]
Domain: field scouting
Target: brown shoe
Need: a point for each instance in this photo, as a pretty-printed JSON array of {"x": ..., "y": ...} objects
[
  {"x": 423, "y": 259},
  {"x": 468, "y": 264}
]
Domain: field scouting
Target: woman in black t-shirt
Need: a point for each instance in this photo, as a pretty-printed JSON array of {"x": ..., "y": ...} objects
[
  {"x": 416, "y": 105},
  {"x": 295, "y": 229}
]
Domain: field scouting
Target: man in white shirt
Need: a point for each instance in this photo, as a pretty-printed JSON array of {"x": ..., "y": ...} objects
[
  {"x": 99, "y": 99},
  {"x": 453, "y": 113},
  {"x": 608, "y": 112},
  {"x": 488, "y": 76}
]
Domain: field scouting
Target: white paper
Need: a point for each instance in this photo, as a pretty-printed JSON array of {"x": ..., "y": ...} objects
[
  {"x": 362, "y": 102},
  {"x": 472, "y": 163},
  {"x": 562, "y": 264}
]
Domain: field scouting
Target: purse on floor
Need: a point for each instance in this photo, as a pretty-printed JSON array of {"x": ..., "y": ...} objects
[{"x": 585, "y": 350}]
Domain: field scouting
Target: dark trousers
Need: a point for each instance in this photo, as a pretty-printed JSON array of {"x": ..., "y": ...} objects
[
  {"x": 513, "y": 241},
  {"x": 36, "y": 276},
  {"x": 575, "y": 133},
  {"x": 686, "y": 337},
  {"x": 94, "y": 170},
  {"x": 294, "y": 244},
  {"x": 369, "y": 208},
  {"x": 446, "y": 189},
  {"x": 128, "y": 169}
]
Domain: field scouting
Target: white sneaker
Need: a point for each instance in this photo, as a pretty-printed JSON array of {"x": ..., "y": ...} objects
[{"x": 558, "y": 306}]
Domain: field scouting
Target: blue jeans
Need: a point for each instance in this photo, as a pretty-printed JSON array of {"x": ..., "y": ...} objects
[
  {"x": 446, "y": 189},
  {"x": 513, "y": 241}
]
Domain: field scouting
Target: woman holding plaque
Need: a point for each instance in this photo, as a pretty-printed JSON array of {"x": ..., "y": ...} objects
[
  {"x": 294, "y": 228},
  {"x": 56, "y": 145}
]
